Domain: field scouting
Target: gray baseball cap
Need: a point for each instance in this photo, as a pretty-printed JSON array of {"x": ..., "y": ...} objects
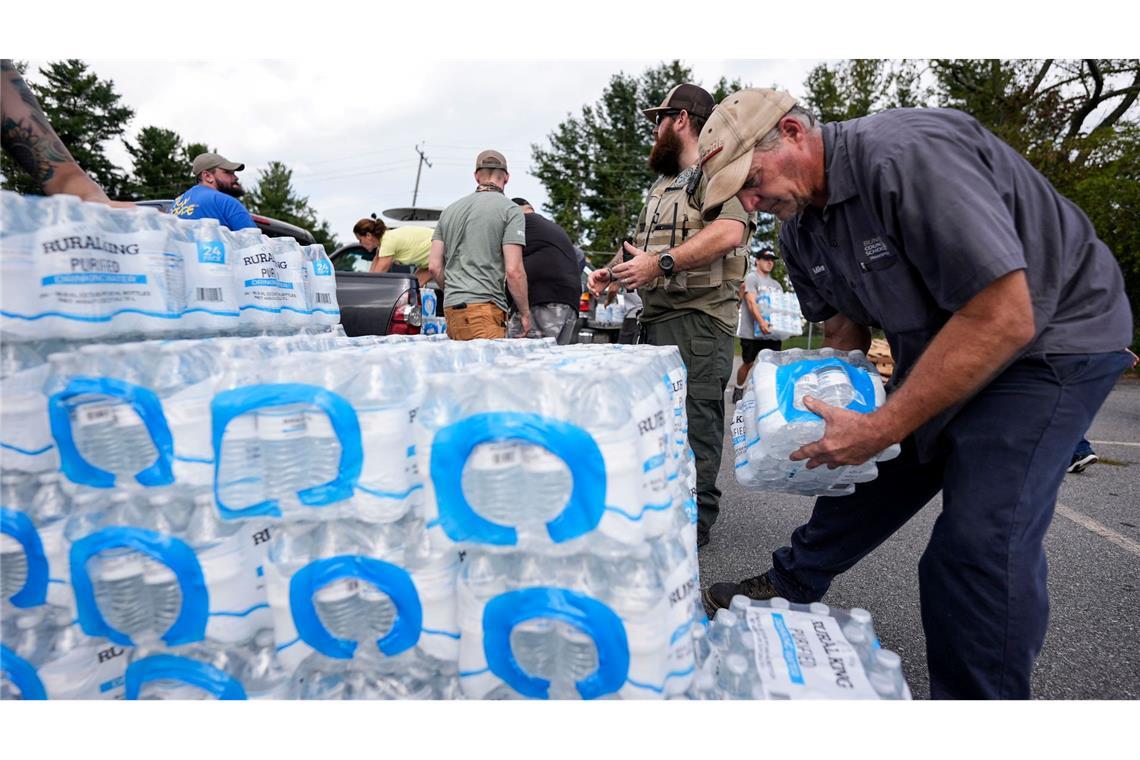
[
  {"x": 206, "y": 161},
  {"x": 491, "y": 159}
]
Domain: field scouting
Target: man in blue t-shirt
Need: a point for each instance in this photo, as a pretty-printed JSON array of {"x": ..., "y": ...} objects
[{"x": 215, "y": 196}]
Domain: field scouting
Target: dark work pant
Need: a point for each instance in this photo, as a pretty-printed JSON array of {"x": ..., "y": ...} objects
[
  {"x": 707, "y": 353},
  {"x": 985, "y": 605}
]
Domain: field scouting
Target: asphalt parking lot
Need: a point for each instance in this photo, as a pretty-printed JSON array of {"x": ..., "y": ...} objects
[{"x": 1093, "y": 547}]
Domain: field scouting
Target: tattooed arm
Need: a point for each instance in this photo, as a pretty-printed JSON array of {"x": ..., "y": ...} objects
[{"x": 28, "y": 137}]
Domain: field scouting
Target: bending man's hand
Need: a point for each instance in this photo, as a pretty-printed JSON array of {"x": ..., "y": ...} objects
[{"x": 848, "y": 438}]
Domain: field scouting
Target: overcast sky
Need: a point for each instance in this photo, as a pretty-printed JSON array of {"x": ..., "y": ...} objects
[{"x": 349, "y": 134}]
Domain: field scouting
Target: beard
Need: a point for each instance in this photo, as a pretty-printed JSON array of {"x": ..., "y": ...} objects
[
  {"x": 234, "y": 191},
  {"x": 665, "y": 158}
]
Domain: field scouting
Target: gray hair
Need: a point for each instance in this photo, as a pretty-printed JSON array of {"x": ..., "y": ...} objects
[{"x": 771, "y": 140}]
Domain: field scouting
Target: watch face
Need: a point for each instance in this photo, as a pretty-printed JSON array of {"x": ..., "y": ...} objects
[{"x": 665, "y": 261}]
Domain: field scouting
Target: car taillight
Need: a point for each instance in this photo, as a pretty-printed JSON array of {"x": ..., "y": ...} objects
[{"x": 406, "y": 316}]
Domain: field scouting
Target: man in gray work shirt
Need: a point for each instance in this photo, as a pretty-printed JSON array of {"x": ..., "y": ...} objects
[
  {"x": 477, "y": 246},
  {"x": 1007, "y": 320}
]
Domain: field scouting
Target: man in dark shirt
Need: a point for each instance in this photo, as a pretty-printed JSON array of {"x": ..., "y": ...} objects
[
  {"x": 1007, "y": 320},
  {"x": 554, "y": 282}
]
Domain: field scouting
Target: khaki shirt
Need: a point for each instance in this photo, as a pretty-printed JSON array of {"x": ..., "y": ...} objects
[{"x": 721, "y": 302}]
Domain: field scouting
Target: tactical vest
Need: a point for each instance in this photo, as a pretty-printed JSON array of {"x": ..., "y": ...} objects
[{"x": 672, "y": 215}]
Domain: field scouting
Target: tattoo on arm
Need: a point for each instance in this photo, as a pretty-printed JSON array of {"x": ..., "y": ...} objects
[
  {"x": 35, "y": 152},
  {"x": 26, "y": 133}
]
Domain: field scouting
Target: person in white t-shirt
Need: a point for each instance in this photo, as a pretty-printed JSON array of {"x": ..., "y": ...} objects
[{"x": 757, "y": 280}]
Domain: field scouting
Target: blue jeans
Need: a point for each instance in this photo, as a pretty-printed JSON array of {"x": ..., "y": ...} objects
[{"x": 985, "y": 606}]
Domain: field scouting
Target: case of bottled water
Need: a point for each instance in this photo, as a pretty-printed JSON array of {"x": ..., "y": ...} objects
[
  {"x": 782, "y": 313},
  {"x": 380, "y": 596},
  {"x": 771, "y": 422},
  {"x": 779, "y": 650}
]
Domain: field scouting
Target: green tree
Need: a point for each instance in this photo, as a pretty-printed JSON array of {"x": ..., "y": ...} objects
[
  {"x": 859, "y": 87},
  {"x": 274, "y": 196},
  {"x": 594, "y": 166},
  {"x": 1075, "y": 121},
  {"x": 85, "y": 112},
  {"x": 159, "y": 166}
]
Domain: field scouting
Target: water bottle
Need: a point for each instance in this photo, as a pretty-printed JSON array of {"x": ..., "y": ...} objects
[
  {"x": 282, "y": 433},
  {"x": 256, "y": 283},
  {"x": 600, "y": 404},
  {"x": 532, "y": 641},
  {"x": 320, "y": 286},
  {"x": 732, "y": 680},
  {"x": 290, "y": 261},
  {"x": 260, "y": 672}
]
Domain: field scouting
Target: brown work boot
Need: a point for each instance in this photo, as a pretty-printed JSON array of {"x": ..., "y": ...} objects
[{"x": 720, "y": 595}]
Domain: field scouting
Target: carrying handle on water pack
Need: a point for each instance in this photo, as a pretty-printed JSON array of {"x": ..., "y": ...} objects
[
  {"x": 234, "y": 403},
  {"x": 22, "y": 675},
  {"x": 392, "y": 580},
  {"x": 188, "y": 627},
  {"x": 602, "y": 624},
  {"x": 162, "y": 667},
  {"x": 453, "y": 444},
  {"x": 149, "y": 409},
  {"x": 20, "y": 527}
]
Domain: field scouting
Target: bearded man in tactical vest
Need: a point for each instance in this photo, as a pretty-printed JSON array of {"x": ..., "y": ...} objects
[{"x": 688, "y": 274}]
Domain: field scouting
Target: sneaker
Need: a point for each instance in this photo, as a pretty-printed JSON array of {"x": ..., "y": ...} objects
[
  {"x": 702, "y": 539},
  {"x": 720, "y": 594},
  {"x": 1082, "y": 460},
  {"x": 737, "y": 394}
]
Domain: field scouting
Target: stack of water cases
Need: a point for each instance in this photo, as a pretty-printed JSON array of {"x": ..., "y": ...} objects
[
  {"x": 782, "y": 312},
  {"x": 778, "y": 650},
  {"x": 86, "y": 456},
  {"x": 771, "y": 421}
]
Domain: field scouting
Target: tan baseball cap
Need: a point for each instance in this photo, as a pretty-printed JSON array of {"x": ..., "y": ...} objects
[
  {"x": 206, "y": 161},
  {"x": 684, "y": 97},
  {"x": 729, "y": 136},
  {"x": 491, "y": 159}
]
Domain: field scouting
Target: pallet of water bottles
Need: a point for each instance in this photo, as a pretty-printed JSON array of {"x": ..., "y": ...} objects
[{"x": 318, "y": 517}]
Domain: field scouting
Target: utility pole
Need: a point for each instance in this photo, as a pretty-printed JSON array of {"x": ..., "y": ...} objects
[{"x": 420, "y": 168}]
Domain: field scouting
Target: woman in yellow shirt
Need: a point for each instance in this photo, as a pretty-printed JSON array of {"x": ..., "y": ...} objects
[{"x": 402, "y": 245}]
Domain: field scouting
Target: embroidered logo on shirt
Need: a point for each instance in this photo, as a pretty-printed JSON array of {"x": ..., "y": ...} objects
[
  {"x": 819, "y": 269},
  {"x": 875, "y": 249}
]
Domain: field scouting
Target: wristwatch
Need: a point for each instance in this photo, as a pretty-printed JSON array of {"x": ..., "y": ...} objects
[{"x": 665, "y": 262}]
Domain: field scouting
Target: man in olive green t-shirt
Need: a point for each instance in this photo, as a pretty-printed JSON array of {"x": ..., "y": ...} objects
[{"x": 477, "y": 245}]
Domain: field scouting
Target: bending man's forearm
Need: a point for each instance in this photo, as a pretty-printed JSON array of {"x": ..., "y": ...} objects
[{"x": 971, "y": 348}]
